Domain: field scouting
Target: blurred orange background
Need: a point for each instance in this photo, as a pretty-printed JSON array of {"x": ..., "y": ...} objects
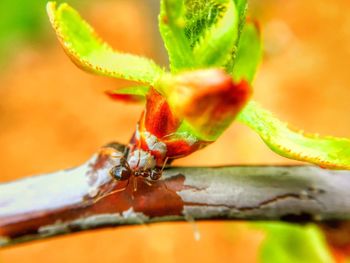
[{"x": 54, "y": 116}]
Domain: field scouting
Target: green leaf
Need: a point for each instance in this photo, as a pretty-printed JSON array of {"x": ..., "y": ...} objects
[
  {"x": 249, "y": 53},
  {"x": 88, "y": 51},
  {"x": 216, "y": 42},
  {"x": 288, "y": 243},
  {"x": 200, "y": 16},
  {"x": 327, "y": 152},
  {"x": 22, "y": 22},
  {"x": 199, "y": 33},
  {"x": 171, "y": 26}
]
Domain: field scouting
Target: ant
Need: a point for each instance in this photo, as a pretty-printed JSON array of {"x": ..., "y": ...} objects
[
  {"x": 123, "y": 172},
  {"x": 139, "y": 164}
]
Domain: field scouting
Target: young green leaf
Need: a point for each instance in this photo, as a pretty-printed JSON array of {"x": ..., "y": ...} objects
[
  {"x": 171, "y": 25},
  {"x": 290, "y": 243},
  {"x": 199, "y": 33},
  {"x": 88, "y": 51},
  {"x": 217, "y": 41},
  {"x": 327, "y": 152},
  {"x": 249, "y": 53}
]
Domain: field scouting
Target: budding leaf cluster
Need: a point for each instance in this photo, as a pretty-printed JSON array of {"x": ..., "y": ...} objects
[{"x": 214, "y": 53}]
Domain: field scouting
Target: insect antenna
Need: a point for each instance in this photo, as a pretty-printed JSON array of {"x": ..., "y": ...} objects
[
  {"x": 139, "y": 152},
  {"x": 156, "y": 174},
  {"x": 126, "y": 151},
  {"x": 161, "y": 172},
  {"x": 164, "y": 164}
]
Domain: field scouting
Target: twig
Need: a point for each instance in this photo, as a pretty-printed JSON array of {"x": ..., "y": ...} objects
[{"x": 69, "y": 201}]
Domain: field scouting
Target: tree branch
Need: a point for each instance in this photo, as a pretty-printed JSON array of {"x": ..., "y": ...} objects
[{"x": 86, "y": 197}]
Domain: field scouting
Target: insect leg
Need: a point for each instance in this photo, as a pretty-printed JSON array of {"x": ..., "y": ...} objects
[
  {"x": 165, "y": 161},
  {"x": 110, "y": 193}
]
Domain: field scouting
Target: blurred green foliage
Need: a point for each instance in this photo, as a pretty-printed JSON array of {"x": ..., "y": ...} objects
[
  {"x": 23, "y": 22},
  {"x": 290, "y": 243}
]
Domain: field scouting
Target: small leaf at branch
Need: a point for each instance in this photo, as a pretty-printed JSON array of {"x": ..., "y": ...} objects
[
  {"x": 88, "y": 51},
  {"x": 159, "y": 119},
  {"x": 129, "y": 94},
  {"x": 327, "y": 152}
]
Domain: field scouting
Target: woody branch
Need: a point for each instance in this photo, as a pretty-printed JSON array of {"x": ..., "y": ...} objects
[{"x": 63, "y": 202}]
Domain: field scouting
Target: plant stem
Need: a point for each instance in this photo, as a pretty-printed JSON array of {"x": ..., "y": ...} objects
[{"x": 65, "y": 202}]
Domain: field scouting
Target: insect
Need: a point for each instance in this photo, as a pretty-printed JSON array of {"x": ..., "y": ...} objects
[
  {"x": 132, "y": 163},
  {"x": 127, "y": 171},
  {"x": 123, "y": 172},
  {"x": 140, "y": 163}
]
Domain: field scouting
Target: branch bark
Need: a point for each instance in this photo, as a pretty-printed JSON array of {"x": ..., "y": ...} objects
[{"x": 86, "y": 197}]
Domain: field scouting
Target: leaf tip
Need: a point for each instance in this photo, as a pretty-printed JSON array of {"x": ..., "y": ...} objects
[
  {"x": 124, "y": 97},
  {"x": 255, "y": 23}
]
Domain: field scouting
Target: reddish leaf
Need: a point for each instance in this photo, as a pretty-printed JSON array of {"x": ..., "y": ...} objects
[
  {"x": 158, "y": 118},
  {"x": 125, "y": 97},
  {"x": 207, "y": 100}
]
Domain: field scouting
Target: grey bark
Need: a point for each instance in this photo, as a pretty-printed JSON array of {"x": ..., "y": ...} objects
[{"x": 64, "y": 202}]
